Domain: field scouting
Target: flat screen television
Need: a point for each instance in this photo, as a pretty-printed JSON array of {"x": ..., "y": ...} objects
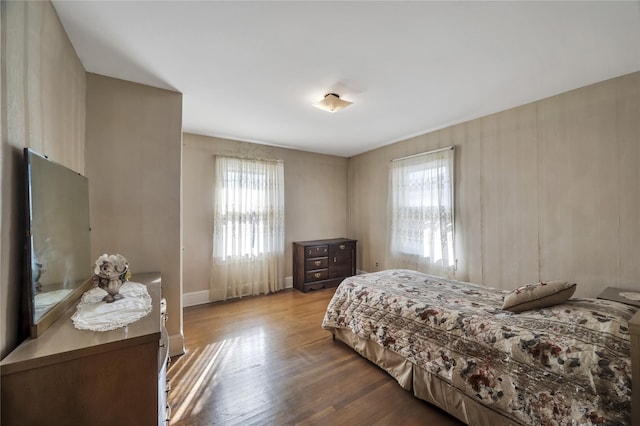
[{"x": 58, "y": 263}]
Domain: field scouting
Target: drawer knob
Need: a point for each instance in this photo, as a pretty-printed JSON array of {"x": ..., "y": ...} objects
[
  {"x": 342, "y": 246},
  {"x": 317, "y": 275},
  {"x": 335, "y": 260},
  {"x": 317, "y": 262}
]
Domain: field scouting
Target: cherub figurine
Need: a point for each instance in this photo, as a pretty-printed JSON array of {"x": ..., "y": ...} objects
[{"x": 111, "y": 271}]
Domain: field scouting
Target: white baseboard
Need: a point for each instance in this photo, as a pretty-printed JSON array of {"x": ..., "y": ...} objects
[
  {"x": 201, "y": 297},
  {"x": 176, "y": 345},
  {"x": 195, "y": 298}
]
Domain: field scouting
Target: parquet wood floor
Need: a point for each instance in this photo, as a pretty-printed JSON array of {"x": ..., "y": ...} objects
[{"x": 265, "y": 360}]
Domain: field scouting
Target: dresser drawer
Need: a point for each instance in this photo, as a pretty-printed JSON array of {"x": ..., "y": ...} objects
[
  {"x": 321, "y": 274},
  {"x": 337, "y": 249},
  {"x": 319, "y": 263},
  {"x": 316, "y": 251}
]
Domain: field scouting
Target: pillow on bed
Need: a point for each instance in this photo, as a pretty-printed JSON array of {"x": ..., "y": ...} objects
[{"x": 538, "y": 295}]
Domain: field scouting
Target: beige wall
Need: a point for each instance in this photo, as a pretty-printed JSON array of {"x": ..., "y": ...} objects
[
  {"x": 548, "y": 190},
  {"x": 43, "y": 107},
  {"x": 315, "y": 199},
  {"x": 134, "y": 159}
]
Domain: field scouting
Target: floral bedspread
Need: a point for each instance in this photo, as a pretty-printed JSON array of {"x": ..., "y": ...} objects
[{"x": 565, "y": 365}]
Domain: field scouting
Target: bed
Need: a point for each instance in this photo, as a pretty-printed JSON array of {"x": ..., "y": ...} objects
[{"x": 452, "y": 344}]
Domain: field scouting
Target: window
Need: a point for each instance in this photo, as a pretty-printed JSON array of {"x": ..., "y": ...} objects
[
  {"x": 422, "y": 206},
  {"x": 243, "y": 209},
  {"x": 248, "y": 240}
]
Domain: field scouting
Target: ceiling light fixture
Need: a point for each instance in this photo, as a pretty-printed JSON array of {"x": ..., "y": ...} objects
[{"x": 332, "y": 103}]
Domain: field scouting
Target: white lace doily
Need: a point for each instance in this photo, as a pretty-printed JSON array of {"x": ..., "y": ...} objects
[
  {"x": 631, "y": 295},
  {"x": 95, "y": 315}
]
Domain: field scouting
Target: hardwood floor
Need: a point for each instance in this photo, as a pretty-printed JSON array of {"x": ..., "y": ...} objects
[{"x": 265, "y": 360}]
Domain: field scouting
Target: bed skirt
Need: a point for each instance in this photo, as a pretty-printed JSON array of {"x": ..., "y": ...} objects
[{"x": 423, "y": 384}]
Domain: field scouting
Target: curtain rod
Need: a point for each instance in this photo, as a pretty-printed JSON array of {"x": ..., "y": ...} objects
[
  {"x": 424, "y": 153},
  {"x": 236, "y": 157}
]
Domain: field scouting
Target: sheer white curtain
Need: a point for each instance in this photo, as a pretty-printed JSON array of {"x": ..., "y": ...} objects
[
  {"x": 421, "y": 204},
  {"x": 248, "y": 231}
]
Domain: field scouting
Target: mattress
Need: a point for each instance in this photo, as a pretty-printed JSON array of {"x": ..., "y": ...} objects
[{"x": 567, "y": 364}]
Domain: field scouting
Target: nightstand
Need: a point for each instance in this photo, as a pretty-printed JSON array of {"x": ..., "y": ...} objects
[{"x": 613, "y": 293}]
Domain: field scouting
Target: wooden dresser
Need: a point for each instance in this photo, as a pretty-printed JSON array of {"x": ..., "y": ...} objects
[
  {"x": 77, "y": 377},
  {"x": 323, "y": 263}
]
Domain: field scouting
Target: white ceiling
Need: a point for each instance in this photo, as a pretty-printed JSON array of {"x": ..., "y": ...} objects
[{"x": 251, "y": 71}]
